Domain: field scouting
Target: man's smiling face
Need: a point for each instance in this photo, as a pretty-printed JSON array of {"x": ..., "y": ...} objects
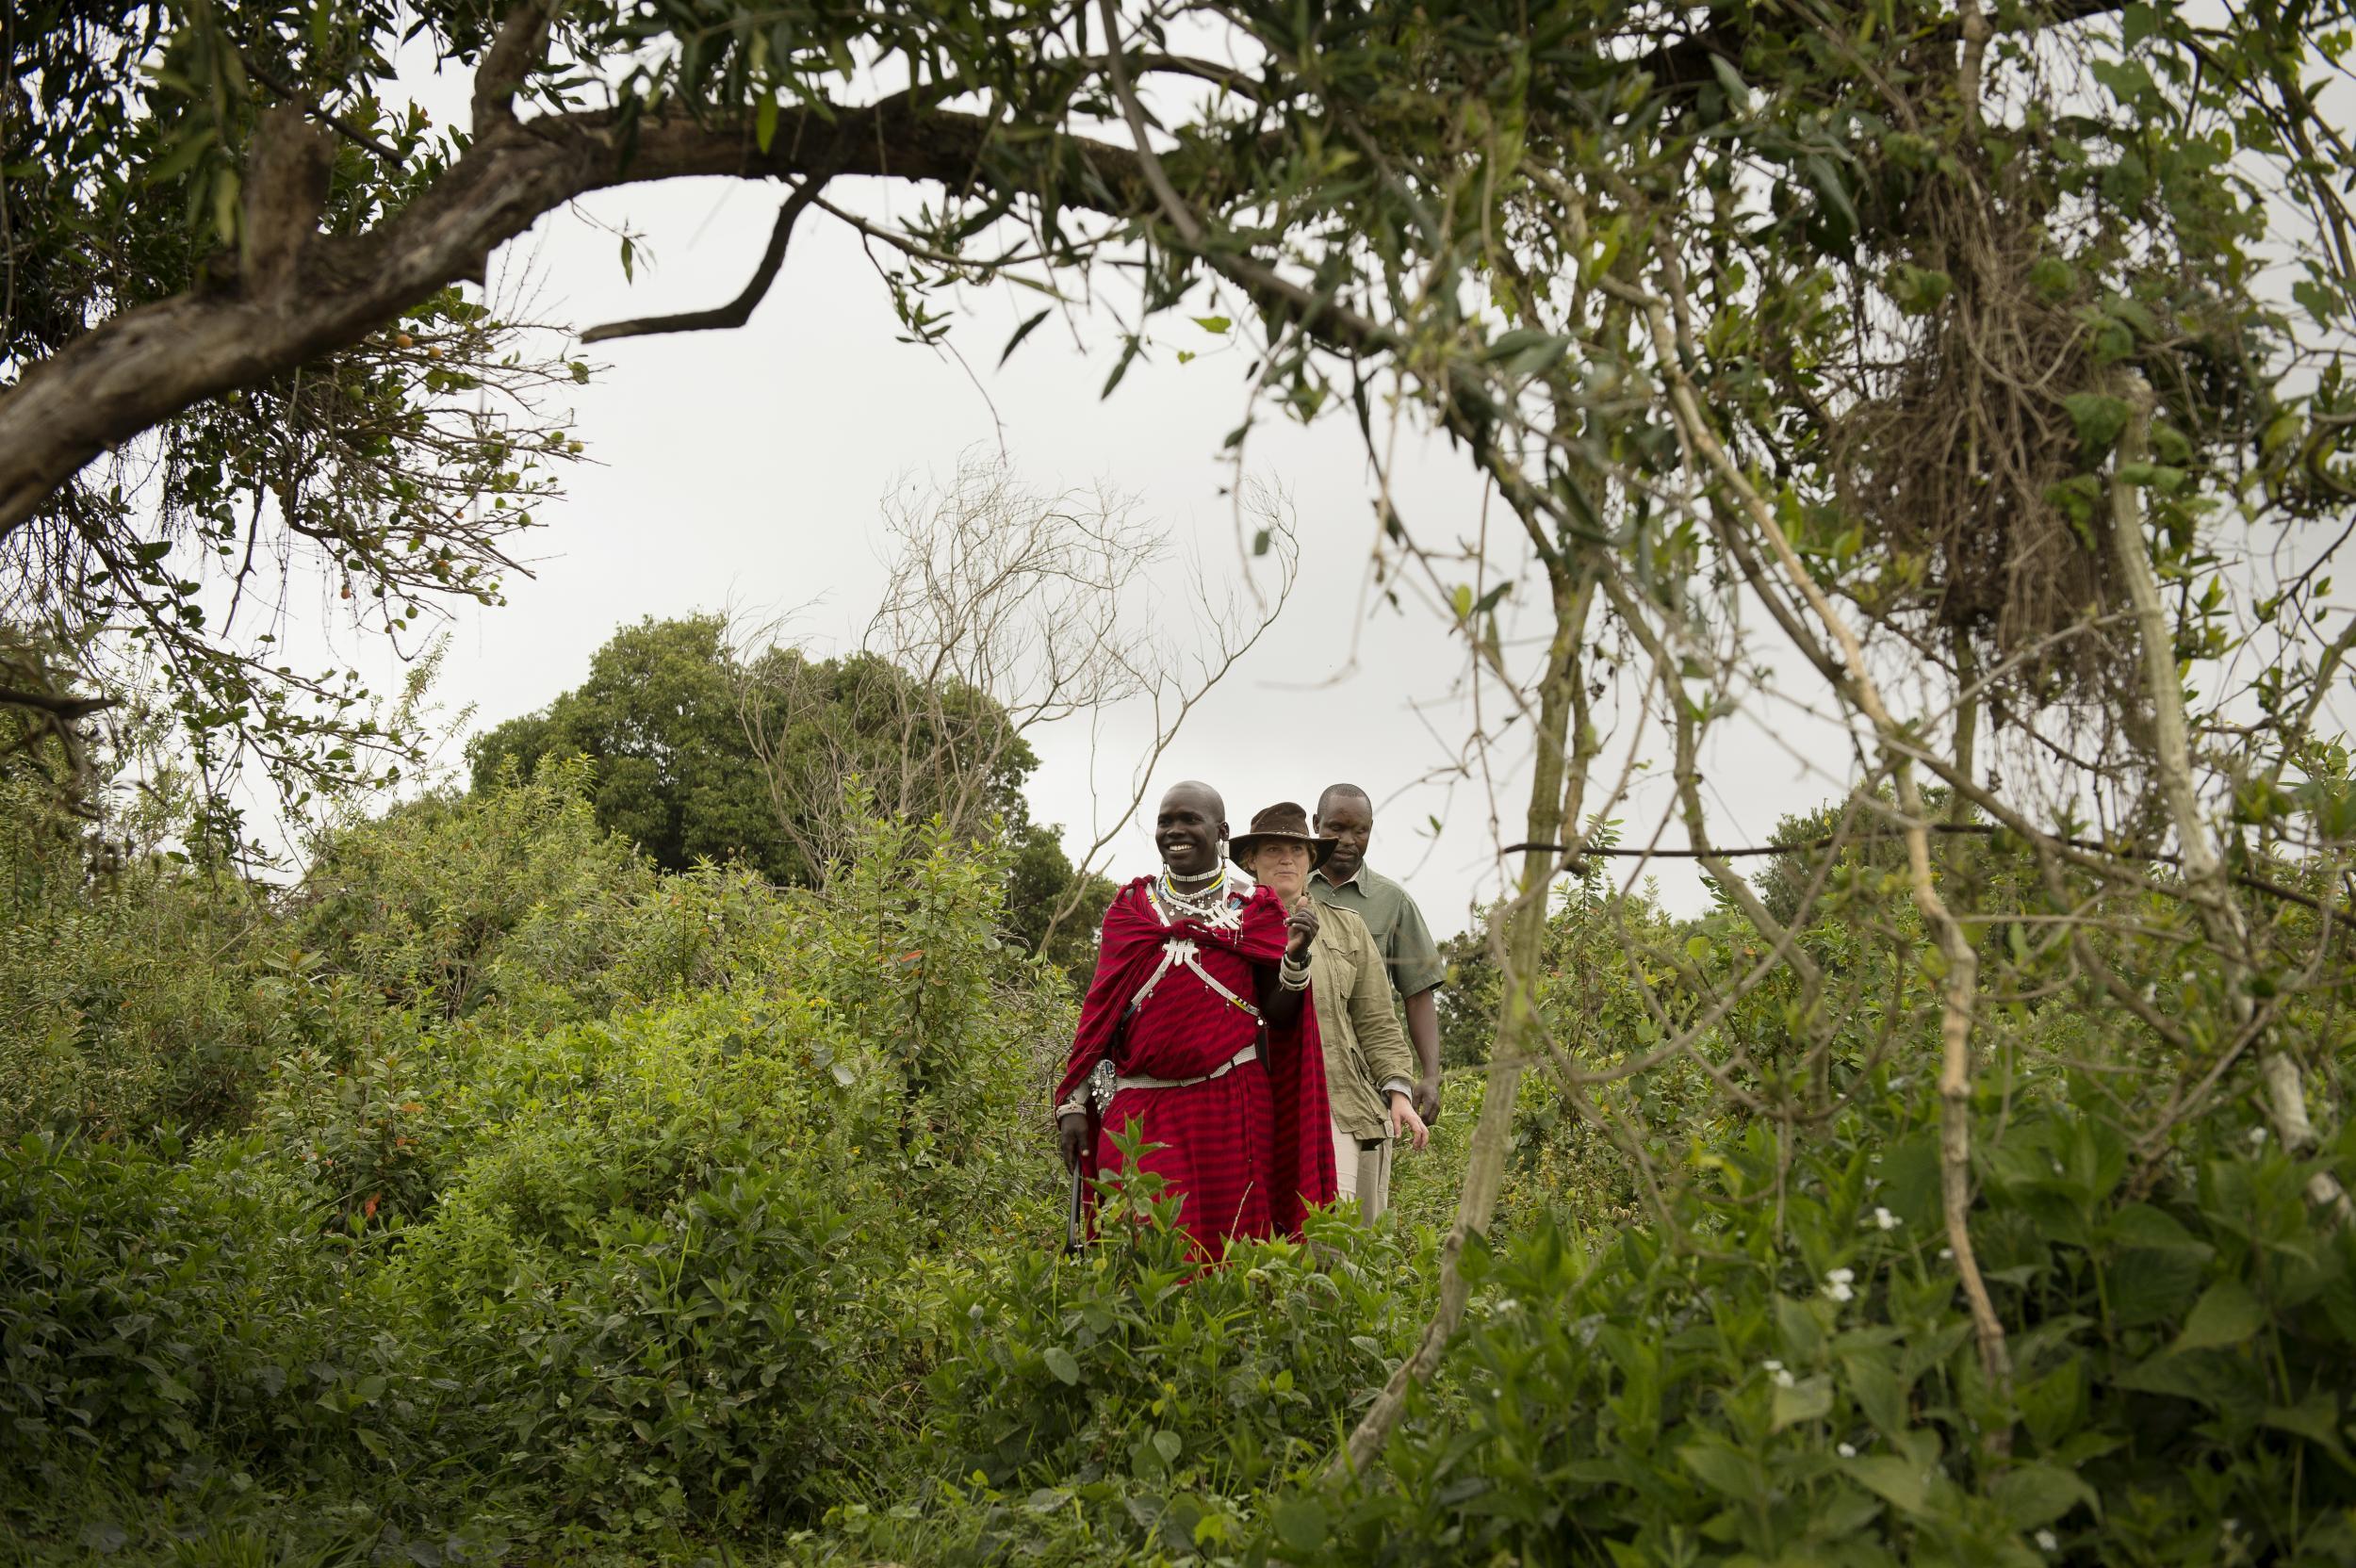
[{"x": 1187, "y": 828}]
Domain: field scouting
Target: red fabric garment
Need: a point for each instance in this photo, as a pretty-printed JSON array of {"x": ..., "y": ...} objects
[{"x": 1249, "y": 1152}]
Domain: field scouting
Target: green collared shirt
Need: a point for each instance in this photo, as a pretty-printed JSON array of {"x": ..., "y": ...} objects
[
  {"x": 1366, "y": 1050},
  {"x": 1407, "y": 949}
]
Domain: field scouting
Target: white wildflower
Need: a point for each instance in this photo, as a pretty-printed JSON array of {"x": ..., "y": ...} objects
[
  {"x": 1885, "y": 1220},
  {"x": 1946, "y": 1252},
  {"x": 2257, "y": 1134},
  {"x": 2048, "y": 1542},
  {"x": 1771, "y": 1365},
  {"x": 1846, "y": 1450},
  {"x": 1784, "y": 1378},
  {"x": 1838, "y": 1285}
]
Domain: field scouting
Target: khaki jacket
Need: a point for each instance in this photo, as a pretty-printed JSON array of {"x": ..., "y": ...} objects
[{"x": 1365, "y": 1047}]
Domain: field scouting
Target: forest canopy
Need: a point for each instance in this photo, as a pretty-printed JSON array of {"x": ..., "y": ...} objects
[{"x": 697, "y": 753}]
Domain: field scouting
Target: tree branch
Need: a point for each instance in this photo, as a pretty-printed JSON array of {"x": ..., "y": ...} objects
[
  {"x": 521, "y": 43},
  {"x": 64, "y": 709},
  {"x": 151, "y": 362},
  {"x": 1977, "y": 830},
  {"x": 738, "y": 310}
]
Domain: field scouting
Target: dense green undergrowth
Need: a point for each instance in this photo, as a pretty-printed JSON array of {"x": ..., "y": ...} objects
[{"x": 497, "y": 1199}]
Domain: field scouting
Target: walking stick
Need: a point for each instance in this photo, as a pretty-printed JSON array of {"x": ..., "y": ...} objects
[
  {"x": 1098, "y": 1093},
  {"x": 1073, "y": 1239}
]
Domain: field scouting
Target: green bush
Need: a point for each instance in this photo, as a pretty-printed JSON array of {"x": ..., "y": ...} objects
[
  {"x": 137, "y": 991},
  {"x": 1132, "y": 1401},
  {"x": 162, "y": 1314},
  {"x": 1786, "y": 1371},
  {"x": 448, "y": 905},
  {"x": 622, "y": 1246}
]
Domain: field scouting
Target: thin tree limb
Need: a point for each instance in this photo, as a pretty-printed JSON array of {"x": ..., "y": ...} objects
[{"x": 738, "y": 310}]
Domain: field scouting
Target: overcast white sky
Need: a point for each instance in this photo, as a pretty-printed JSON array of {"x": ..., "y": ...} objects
[{"x": 745, "y": 469}]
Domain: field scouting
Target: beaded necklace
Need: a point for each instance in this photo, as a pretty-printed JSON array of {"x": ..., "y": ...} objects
[{"x": 1195, "y": 903}]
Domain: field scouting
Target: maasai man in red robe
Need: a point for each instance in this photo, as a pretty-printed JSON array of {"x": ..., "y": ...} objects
[{"x": 1197, "y": 1035}]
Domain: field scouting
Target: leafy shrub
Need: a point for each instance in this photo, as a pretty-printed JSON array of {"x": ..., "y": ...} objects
[
  {"x": 164, "y": 1312},
  {"x": 448, "y": 905},
  {"x": 136, "y": 991},
  {"x": 645, "y": 1267},
  {"x": 677, "y": 1362},
  {"x": 1785, "y": 1371},
  {"x": 1134, "y": 1399}
]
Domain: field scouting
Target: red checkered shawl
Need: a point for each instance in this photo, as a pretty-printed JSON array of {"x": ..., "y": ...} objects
[{"x": 1185, "y": 1030}]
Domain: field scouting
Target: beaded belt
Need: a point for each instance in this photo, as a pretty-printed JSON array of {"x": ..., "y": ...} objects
[{"x": 1246, "y": 1053}]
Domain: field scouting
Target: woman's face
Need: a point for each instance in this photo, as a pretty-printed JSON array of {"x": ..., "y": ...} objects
[{"x": 1282, "y": 868}]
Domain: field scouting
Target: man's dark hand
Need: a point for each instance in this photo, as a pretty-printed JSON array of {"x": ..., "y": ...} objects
[
  {"x": 1428, "y": 1100},
  {"x": 1071, "y": 1138}
]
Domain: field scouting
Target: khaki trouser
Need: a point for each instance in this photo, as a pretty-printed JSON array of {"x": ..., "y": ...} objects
[{"x": 1363, "y": 1173}]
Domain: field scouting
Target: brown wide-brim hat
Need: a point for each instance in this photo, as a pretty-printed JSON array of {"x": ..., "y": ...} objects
[{"x": 1283, "y": 823}]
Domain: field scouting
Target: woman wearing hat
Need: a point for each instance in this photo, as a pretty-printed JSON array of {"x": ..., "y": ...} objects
[{"x": 1369, "y": 1071}]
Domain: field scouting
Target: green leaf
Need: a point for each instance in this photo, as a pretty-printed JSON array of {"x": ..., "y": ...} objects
[
  {"x": 1300, "y": 1524},
  {"x": 2156, "y": 476},
  {"x": 1873, "y": 1384},
  {"x": 2035, "y": 1494},
  {"x": 1828, "y": 183},
  {"x": 1899, "y": 1480},
  {"x": 183, "y": 156},
  {"x": 2052, "y": 278},
  {"x": 1805, "y": 1401},
  {"x": 1216, "y": 325},
  {"x": 2145, "y": 1225},
  {"x": 1721, "y": 1469},
  {"x": 1738, "y": 90},
  {"x": 765, "y": 121},
  {"x": 1521, "y": 340},
  {"x": 1019, "y": 333},
  {"x": 1059, "y": 1361},
  {"x": 1128, "y": 352},
  {"x": 2050, "y": 1407},
  {"x": 2163, "y": 1374},
  {"x": 2098, "y": 417},
  {"x": 1538, "y": 357},
  {"x": 2226, "y": 1313},
  {"x": 2151, "y": 1285},
  {"x": 1918, "y": 291},
  {"x": 2317, "y": 1418},
  {"x": 1802, "y": 1332},
  {"x": 1166, "y": 1443}
]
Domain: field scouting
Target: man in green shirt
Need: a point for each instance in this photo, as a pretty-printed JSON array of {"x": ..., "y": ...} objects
[{"x": 1346, "y": 815}]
